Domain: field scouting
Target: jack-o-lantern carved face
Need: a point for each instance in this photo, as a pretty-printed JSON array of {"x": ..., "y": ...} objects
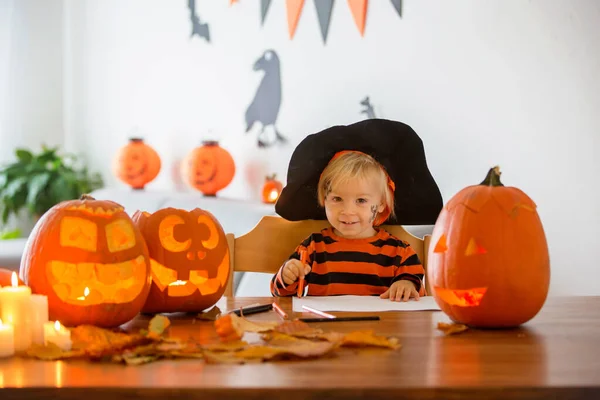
[
  {"x": 91, "y": 261},
  {"x": 488, "y": 263},
  {"x": 189, "y": 258},
  {"x": 208, "y": 168},
  {"x": 137, "y": 164}
]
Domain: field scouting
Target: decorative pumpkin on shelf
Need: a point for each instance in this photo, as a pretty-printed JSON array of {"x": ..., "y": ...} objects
[
  {"x": 189, "y": 257},
  {"x": 488, "y": 263},
  {"x": 271, "y": 189},
  {"x": 137, "y": 164},
  {"x": 90, "y": 260},
  {"x": 208, "y": 168},
  {"x": 6, "y": 278}
]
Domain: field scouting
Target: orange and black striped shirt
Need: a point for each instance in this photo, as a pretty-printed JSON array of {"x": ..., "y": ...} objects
[{"x": 341, "y": 266}]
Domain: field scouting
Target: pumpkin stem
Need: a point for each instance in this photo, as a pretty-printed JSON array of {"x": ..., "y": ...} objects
[
  {"x": 136, "y": 140},
  {"x": 493, "y": 177},
  {"x": 271, "y": 177},
  {"x": 86, "y": 196}
]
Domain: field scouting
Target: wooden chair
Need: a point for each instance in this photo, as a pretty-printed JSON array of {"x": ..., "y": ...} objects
[{"x": 273, "y": 239}]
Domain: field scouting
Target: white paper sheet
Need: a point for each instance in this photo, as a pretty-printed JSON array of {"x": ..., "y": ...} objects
[{"x": 363, "y": 304}]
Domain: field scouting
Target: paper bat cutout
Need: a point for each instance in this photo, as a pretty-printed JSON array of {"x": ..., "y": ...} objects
[{"x": 198, "y": 28}]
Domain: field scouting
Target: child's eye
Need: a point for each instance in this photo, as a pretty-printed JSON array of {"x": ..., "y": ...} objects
[
  {"x": 361, "y": 201},
  {"x": 336, "y": 199}
]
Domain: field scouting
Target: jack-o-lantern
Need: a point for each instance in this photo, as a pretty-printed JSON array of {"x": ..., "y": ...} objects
[
  {"x": 189, "y": 257},
  {"x": 90, "y": 260},
  {"x": 137, "y": 164},
  {"x": 271, "y": 189},
  {"x": 6, "y": 278},
  {"x": 208, "y": 168},
  {"x": 488, "y": 263}
]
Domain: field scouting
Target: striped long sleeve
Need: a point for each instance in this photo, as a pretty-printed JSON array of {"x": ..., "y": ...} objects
[{"x": 341, "y": 266}]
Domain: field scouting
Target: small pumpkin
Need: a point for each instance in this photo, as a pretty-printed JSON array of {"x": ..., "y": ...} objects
[
  {"x": 6, "y": 277},
  {"x": 189, "y": 256},
  {"x": 137, "y": 164},
  {"x": 90, "y": 260},
  {"x": 271, "y": 189},
  {"x": 488, "y": 263},
  {"x": 208, "y": 168}
]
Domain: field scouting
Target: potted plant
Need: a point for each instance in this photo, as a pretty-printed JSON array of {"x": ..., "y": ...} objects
[{"x": 36, "y": 182}]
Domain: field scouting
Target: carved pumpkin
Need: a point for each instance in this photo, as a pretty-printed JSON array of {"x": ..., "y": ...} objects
[
  {"x": 208, "y": 168},
  {"x": 271, "y": 189},
  {"x": 189, "y": 257},
  {"x": 6, "y": 276},
  {"x": 137, "y": 164},
  {"x": 488, "y": 263},
  {"x": 90, "y": 260}
]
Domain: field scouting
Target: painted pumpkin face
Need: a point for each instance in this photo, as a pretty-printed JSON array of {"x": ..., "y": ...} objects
[
  {"x": 90, "y": 260},
  {"x": 488, "y": 262},
  {"x": 137, "y": 164},
  {"x": 189, "y": 257},
  {"x": 208, "y": 168}
]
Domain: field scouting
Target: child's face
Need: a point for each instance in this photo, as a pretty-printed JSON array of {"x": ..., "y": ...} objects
[{"x": 352, "y": 207}]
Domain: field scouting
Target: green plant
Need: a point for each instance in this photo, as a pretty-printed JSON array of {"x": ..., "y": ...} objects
[{"x": 36, "y": 182}]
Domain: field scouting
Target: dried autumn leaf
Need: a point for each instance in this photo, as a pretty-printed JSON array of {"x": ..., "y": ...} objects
[
  {"x": 230, "y": 327},
  {"x": 227, "y": 346},
  {"x": 157, "y": 326},
  {"x": 451, "y": 329},
  {"x": 210, "y": 315},
  {"x": 295, "y": 348},
  {"x": 368, "y": 338},
  {"x": 98, "y": 342},
  {"x": 295, "y": 327},
  {"x": 51, "y": 352}
]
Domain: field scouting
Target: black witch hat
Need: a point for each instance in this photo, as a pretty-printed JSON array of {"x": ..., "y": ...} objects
[{"x": 396, "y": 146}]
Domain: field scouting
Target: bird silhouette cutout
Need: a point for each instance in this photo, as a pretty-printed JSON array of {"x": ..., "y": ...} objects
[
  {"x": 368, "y": 110},
  {"x": 199, "y": 29},
  {"x": 264, "y": 108}
]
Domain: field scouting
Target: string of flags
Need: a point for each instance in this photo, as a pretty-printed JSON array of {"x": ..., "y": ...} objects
[{"x": 324, "y": 8}]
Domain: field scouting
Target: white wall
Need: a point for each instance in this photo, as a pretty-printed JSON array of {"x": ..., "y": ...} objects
[{"x": 506, "y": 82}]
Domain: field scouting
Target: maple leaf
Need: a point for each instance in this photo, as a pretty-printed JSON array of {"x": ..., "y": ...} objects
[
  {"x": 451, "y": 329},
  {"x": 99, "y": 342},
  {"x": 368, "y": 338},
  {"x": 230, "y": 327},
  {"x": 51, "y": 352},
  {"x": 157, "y": 326}
]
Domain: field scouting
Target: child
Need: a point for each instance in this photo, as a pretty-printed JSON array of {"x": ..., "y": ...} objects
[{"x": 353, "y": 256}]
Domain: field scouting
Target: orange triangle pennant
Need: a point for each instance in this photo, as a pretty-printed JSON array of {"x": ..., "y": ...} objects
[
  {"x": 359, "y": 12},
  {"x": 294, "y": 9}
]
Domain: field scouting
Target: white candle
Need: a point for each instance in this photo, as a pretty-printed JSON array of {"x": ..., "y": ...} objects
[
  {"x": 15, "y": 305},
  {"x": 39, "y": 316},
  {"x": 55, "y": 333},
  {"x": 7, "y": 340}
]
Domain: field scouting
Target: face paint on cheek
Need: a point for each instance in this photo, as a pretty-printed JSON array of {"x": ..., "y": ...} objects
[{"x": 373, "y": 213}]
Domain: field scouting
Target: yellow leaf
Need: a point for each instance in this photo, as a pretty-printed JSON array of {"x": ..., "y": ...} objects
[{"x": 157, "y": 326}]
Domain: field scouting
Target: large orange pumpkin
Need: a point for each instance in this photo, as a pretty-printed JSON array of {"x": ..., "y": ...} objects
[
  {"x": 90, "y": 260},
  {"x": 271, "y": 189},
  {"x": 208, "y": 168},
  {"x": 136, "y": 163},
  {"x": 189, "y": 257},
  {"x": 6, "y": 276},
  {"x": 488, "y": 263}
]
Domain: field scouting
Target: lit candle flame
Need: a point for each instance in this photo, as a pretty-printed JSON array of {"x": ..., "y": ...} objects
[
  {"x": 178, "y": 283},
  {"x": 57, "y": 326},
  {"x": 14, "y": 280},
  {"x": 273, "y": 195},
  {"x": 0, "y": 322},
  {"x": 86, "y": 293}
]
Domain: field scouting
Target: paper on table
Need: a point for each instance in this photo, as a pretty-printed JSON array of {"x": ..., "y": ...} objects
[{"x": 363, "y": 303}]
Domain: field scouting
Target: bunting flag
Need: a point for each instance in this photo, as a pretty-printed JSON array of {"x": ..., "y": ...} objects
[
  {"x": 294, "y": 9},
  {"x": 359, "y": 12},
  {"x": 264, "y": 7},
  {"x": 324, "y": 8},
  {"x": 398, "y": 6}
]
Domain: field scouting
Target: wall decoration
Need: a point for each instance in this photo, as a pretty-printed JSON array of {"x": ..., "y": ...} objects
[
  {"x": 368, "y": 108},
  {"x": 264, "y": 8},
  {"x": 136, "y": 164},
  {"x": 293, "y": 9},
  {"x": 359, "y": 13},
  {"x": 208, "y": 168},
  {"x": 324, "y": 8},
  {"x": 397, "y": 6},
  {"x": 90, "y": 260},
  {"x": 199, "y": 29},
  {"x": 271, "y": 189},
  {"x": 189, "y": 259},
  {"x": 264, "y": 108}
]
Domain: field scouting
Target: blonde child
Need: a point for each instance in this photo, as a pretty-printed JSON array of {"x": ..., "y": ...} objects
[{"x": 353, "y": 256}]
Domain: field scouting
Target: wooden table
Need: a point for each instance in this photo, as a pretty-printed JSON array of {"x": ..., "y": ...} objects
[{"x": 554, "y": 356}]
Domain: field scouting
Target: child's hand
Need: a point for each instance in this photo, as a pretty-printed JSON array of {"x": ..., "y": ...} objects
[
  {"x": 292, "y": 270},
  {"x": 401, "y": 291}
]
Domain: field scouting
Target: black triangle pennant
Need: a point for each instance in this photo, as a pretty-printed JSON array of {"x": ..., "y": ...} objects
[
  {"x": 398, "y": 6},
  {"x": 264, "y": 7},
  {"x": 324, "y": 8}
]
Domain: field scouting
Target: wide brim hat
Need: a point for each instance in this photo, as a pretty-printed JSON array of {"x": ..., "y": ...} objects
[{"x": 396, "y": 146}]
